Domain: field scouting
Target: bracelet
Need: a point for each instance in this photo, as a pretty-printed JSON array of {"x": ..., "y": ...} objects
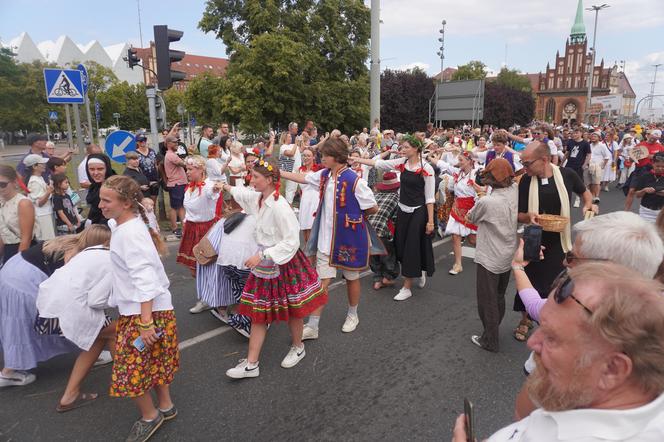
[
  {"x": 430, "y": 224},
  {"x": 147, "y": 326},
  {"x": 518, "y": 267}
]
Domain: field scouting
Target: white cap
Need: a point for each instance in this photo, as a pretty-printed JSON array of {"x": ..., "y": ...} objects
[{"x": 33, "y": 159}]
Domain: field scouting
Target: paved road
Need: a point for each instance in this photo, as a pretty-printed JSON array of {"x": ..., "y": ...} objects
[{"x": 402, "y": 375}]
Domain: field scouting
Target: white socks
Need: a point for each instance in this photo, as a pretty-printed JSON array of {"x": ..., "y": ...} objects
[
  {"x": 313, "y": 322},
  {"x": 352, "y": 310}
]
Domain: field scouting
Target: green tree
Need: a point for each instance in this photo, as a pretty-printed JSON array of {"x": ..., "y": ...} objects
[
  {"x": 404, "y": 99},
  {"x": 203, "y": 98},
  {"x": 473, "y": 70},
  {"x": 317, "y": 68},
  {"x": 172, "y": 98},
  {"x": 100, "y": 78},
  {"x": 513, "y": 79},
  {"x": 127, "y": 100}
]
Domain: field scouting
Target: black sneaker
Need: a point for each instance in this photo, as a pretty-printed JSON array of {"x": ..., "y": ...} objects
[
  {"x": 142, "y": 430},
  {"x": 178, "y": 232},
  {"x": 170, "y": 413}
]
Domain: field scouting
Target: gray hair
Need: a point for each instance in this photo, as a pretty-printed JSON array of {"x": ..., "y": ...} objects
[{"x": 624, "y": 238}]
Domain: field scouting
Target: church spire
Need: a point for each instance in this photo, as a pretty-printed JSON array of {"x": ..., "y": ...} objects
[{"x": 578, "y": 34}]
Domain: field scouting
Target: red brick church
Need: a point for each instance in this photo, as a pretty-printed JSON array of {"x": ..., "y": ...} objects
[{"x": 562, "y": 89}]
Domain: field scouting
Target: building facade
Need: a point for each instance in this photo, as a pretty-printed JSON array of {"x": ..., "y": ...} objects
[{"x": 561, "y": 91}]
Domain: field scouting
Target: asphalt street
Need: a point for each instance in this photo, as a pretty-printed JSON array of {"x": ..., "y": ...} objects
[{"x": 402, "y": 375}]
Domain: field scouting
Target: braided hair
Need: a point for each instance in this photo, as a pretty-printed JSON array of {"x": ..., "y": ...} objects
[
  {"x": 269, "y": 169},
  {"x": 129, "y": 190}
]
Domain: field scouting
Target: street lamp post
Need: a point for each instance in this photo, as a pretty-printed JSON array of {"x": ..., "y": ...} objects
[
  {"x": 441, "y": 54},
  {"x": 652, "y": 86},
  {"x": 591, "y": 70}
]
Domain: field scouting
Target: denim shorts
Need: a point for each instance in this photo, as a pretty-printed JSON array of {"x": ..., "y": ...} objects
[{"x": 176, "y": 194}]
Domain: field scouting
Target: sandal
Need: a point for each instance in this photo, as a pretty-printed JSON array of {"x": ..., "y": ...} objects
[
  {"x": 81, "y": 400},
  {"x": 522, "y": 330}
]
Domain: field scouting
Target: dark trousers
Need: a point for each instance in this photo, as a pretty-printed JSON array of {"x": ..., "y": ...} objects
[
  {"x": 385, "y": 266},
  {"x": 491, "y": 290}
]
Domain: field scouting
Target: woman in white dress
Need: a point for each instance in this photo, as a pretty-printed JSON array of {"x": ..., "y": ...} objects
[
  {"x": 310, "y": 195},
  {"x": 610, "y": 168},
  {"x": 463, "y": 185}
]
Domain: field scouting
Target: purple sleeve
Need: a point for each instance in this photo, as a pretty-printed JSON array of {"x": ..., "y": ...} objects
[{"x": 533, "y": 302}]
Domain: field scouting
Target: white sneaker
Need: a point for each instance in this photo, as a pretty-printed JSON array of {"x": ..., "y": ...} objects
[
  {"x": 294, "y": 356},
  {"x": 403, "y": 294},
  {"x": 220, "y": 315},
  {"x": 577, "y": 202},
  {"x": 18, "y": 378},
  {"x": 423, "y": 280},
  {"x": 309, "y": 332},
  {"x": 350, "y": 324},
  {"x": 242, "y": 370},
  {"x": 199, "y": 307},
  {"x": 104, "y": 358}
]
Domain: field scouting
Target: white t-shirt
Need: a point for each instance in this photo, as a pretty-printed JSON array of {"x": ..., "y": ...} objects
[
  {"x": 642, "y": 424},
  {"x": 599, "y": 153},
  {"x": 137, "y": 271},
  {"x": 81, "y": 172},
  {"x": 37, "y": 187}
]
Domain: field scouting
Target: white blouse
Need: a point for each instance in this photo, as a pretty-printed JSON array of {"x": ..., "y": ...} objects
[
  {"x": 137, "y": 272},
  {"x": 200, "y": 204},
  {"x": 80, "y": 308},
  {"x": 37, "y": 187},
  {"x": 429, "y": 180},
  {"x": 214, "y": 169},
  {"x": 277, "y": 228},
  {"x": 461, "y": 182}
]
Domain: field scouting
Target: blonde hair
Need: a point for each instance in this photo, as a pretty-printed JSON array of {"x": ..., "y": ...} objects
[
  {"x": 67, "y": 246},
  {"x": 196, "y": 161},
  {"x": 129, "y": 190},
  {"x": 628, "y": 316}
]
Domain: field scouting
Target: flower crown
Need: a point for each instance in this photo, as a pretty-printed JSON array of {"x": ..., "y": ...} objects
[{"x": 266, "y": 164}]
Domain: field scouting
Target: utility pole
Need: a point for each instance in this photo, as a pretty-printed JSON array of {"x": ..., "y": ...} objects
[
  {"x": 591, "y": 71},
  {"x": 374, "y": 95},
  {"x": 70, "y": 143},
  {"x": 441, "y": 54},
  {"x": 151, "y": 93},
  {"x": 652, "y": 85},
  {"x": 79, "y": 132}
]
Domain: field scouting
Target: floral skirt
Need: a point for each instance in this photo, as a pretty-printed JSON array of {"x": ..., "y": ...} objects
[
  {"x": 295, "y": 293},
  {"x": 135, "y": 372},
  {"x": 192, "y": 233}
]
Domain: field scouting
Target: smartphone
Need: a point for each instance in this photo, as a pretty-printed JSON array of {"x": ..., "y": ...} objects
[
  {"x": 140, "y": 345},
  {"x": 532, "y": 242},
  {"x": 470, "y": 420}
]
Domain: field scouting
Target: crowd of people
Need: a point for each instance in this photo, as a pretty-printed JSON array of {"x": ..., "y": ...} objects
[{"x": 264, "y": 229}]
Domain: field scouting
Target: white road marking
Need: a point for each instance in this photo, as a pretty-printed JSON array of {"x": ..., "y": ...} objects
[{"x": 221, "y": 330}]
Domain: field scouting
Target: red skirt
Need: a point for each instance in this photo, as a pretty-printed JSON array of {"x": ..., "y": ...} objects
[
  {"x": 192, "y": 233},
  {"x": 295, "y": 293},
  {"x": 460, "y": 209}
]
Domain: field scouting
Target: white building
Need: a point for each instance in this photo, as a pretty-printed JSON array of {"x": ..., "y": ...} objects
[{"x": 64, "y": 52}]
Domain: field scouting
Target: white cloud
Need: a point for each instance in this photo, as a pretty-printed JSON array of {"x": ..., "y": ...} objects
[
  {"x": 514, "y": 19},
  {"x": 417, "y": 64},
  {"x": 640, "y": 73}
]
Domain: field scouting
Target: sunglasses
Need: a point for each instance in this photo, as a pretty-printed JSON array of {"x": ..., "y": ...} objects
[
  {"x": 570, "y": 257},
  {"x": 563, "y": 289},
  {"x": 529, "y": 163},
  {"x": 4, "y": 184}
]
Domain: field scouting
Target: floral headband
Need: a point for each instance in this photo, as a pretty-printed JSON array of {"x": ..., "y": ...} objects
[
  {"x": 413, "y": 141},
  {"x": 263, "y": 163}
]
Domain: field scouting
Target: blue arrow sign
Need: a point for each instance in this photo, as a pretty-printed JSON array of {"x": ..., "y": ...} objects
[
  {"x": 97, "y": 110},
  {"x": 52, "y": 115},
  {"x": 118, "y": 144},
  {"x": 63, "y": 86},
  {"x": 84, "y": 77}
]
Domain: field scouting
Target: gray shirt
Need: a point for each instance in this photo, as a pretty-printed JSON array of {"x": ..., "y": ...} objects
[{"x": 496, "y": 218}]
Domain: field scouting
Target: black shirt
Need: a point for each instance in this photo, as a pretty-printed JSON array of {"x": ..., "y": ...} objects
[
  {"x": 63, "y": 202},
  {"x": 651, "y": 201},
  {"x": 549, "y": 202},
  {"x": 578, "y": 151},
  {"x": 141, "y": 179}
]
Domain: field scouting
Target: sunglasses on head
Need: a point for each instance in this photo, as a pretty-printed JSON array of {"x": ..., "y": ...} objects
[
  {"x": 570, "y": 257},
  {"x": 563, "y": 288},
  {"x": 4, "y": 184}
]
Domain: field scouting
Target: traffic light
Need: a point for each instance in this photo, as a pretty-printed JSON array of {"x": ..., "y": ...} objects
[
  {"x": 160, "y": 111},
  {"x": 132, "y": 58},
  {"x": 163, "y": 37}
]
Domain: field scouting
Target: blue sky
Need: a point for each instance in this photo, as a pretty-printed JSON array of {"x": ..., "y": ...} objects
[{"x": 533, "y": 30}]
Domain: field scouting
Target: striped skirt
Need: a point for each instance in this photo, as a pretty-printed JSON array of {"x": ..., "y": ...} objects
[{"x": 296, "y": 293}]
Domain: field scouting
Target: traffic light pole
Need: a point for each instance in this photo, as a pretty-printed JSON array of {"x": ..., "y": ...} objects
[{"x": 151, "y": 93}]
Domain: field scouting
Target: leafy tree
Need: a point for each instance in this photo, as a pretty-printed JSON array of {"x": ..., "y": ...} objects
[
  {"x": 504, "y": 106},
  {"x": 174, "y": 97},
  {"x": 512, "y": 78},
  {"x": 127, "y": 100},
  {"x": 300, "y": 59},
  {"x": 473, "y": 70},
  {"x": 203, "y": 99},
  {"x": 100, "y": 78},
  {"x": 404, "y": 99}
]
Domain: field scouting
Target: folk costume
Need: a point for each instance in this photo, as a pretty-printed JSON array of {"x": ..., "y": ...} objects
[
  {"x": 464, "y": 199},
  {"x": 283, "y": 284},
  {"x": 413, "y": 246},
  {"x": 308, "y": 201},
  {"x": 341, "y": 237},
  {"x": 201, "y": 212}
]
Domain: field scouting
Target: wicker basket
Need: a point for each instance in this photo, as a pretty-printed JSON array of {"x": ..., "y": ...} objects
[{"x": 552, "y": 223}]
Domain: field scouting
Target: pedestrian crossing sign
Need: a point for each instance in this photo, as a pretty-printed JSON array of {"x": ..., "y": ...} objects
[{"x": 63, "y": 86}]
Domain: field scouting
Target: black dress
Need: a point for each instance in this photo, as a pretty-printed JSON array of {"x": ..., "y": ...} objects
[
  {"x": 413, "y": 246},
  {"x": 543, "y": 273}
]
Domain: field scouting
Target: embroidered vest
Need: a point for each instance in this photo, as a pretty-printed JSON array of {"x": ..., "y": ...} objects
[{"x": 351, "y": 234}]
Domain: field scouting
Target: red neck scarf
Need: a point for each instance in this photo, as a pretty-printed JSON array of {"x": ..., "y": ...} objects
[{"x": 196, "y": 185}]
